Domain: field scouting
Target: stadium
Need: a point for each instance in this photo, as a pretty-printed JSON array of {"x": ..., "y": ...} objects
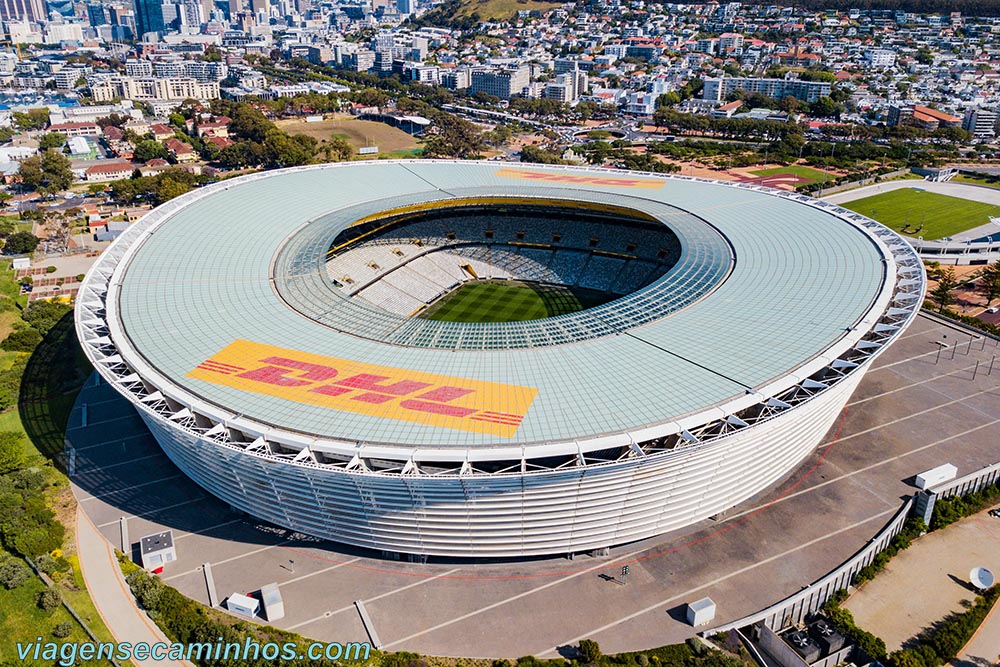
[{"x": 488, "y": 360}]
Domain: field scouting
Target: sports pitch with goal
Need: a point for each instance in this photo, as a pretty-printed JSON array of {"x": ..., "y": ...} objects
[
  {"x": 915, "y": 212},
  {"x": 510, "y": 301}
]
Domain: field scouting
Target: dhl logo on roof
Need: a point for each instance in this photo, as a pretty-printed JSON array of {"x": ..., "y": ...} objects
[
  {"x": 551, "y": 177},
  {"x": 378, "y": 391}
]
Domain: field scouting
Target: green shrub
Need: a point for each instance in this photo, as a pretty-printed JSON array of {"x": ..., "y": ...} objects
[
  {"x": 22, "y": 340},
  {"x": 62, "y": 630},
  {"x": 949, "y": 510},
  {"x": 49, "y": 600},
  {"x": 53, "y": 567},
  {"x": 50, "y": 269},
  {"x": 13, "y": 572},
  {"x": 843, "y": 621},
  {"x": 11, "y": 451}
]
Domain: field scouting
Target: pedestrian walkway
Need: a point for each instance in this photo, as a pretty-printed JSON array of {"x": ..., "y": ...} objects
[
  {"x": 110, "y": 593},
  {"x": 983, "y": 650}
]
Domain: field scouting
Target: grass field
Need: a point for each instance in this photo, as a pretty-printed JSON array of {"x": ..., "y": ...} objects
[
  {"x": 390, "y": 140},
  {"x": 809, "y": 174},
  {"x": 915, "y": 212},
  {"x": 509, "y": 301},
  {"x": 503, "y": 9},
  {"x": 984, "y": 181}
]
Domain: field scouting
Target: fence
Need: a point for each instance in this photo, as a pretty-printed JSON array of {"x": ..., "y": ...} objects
[{"x": 963, "y": 486}]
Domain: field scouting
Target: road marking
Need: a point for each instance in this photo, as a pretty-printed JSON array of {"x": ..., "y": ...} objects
[
  {"x": 647, "y": 609},
  {"x": 117, "y": 441},
  {"x": 98, "y": 468},
  {"x": 231, "y": 559},
  {"x": 914, "y": 414},
  {"x": 181, "y": 536},
  {"x": 719, "y": 580},
  {"x": 331, "y": 614},
  {"x": 128, "y": 488},
  {"x": 154, "y": 511},
  {"x": 91, "y": 424},
  {"x": 914, "y": 384}
]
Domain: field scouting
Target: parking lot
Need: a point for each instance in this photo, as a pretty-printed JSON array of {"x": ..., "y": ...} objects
[{"x": 922, "y": 405}]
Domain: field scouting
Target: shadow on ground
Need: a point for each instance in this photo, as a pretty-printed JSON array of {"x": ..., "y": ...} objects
[{"x": 53, "y": 377}]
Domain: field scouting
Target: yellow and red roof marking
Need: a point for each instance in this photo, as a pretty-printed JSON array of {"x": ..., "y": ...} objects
[
  {"x": 378, "y": 391},
  {"x": 582, "y": 179}
]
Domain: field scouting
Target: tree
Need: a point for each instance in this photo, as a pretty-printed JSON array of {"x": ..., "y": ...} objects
[
  {"x": 905, "y": 658},
  {"x": 590, "y": 651},
  {"x": 825, "y": 107},
  {"x": 34, "y": 119},
  {"x": 540, "y": 155},
  {"x": 44, "y": 315},
  {"x": 789, "y": 104},
  {"x": 149, "y": 149},
  {"x": 668, "y": 99},
  {"x": 114, "y": 119},
  {"x": 944, "y": 293},
  {"x": 20, "y": 243},
  {"x": 48, "y": 173},
  {"x": 455, "y": 137},
  {"x": 988, "y": 284},
  {"x": 337, "y": 149},
  {"x": 24, "y": 339},
  {"x": 52, "y": 140}
]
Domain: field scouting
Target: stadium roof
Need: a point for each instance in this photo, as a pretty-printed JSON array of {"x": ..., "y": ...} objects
[{"x": 196, "y": 298}]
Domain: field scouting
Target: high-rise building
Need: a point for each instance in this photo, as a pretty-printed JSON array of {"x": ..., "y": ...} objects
[
  {"x": 981, "y": 122},
  {"x": 22, "y": 10},
  {"x": 148, "y": 16},
  {"x": 60, "y": 7},
  {"x": 501, "y": 82},
  {"x": 97, "y": 14}
]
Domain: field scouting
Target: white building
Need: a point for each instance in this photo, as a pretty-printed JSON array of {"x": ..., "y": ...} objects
[
  {"x": 149, "y": 88},
  {"x": 981, "y": 122},
  {"x": 880, "y": 58}
]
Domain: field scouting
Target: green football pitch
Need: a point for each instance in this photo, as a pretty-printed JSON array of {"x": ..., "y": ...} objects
[
  {"x": 510, "y": 301},
  {"x": 807, "y": 174},
  {"x": 915, "y": 212}
]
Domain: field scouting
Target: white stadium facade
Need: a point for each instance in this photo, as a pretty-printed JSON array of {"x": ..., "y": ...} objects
[{"x": 267, "y": 330}]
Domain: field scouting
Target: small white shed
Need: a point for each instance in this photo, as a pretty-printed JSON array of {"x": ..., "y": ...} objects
[
  {"x": 701, "y": 612},
  {"x": 244, "y": 605}
]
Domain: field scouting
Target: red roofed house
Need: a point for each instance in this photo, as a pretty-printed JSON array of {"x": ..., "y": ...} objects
[
  {"x": 215, "y": 128},
  {"x": 113, "y": 171},
  {"x": 154, "y": 166},
  {"x": 221, "y": 142},
  {"x": 161, "y": 132},
  {"x": 922, "y": 117},
  {"x": 181, "y": 151},
  {"x": 112, "y": 133},
  {"x": 727, "y": 110}
]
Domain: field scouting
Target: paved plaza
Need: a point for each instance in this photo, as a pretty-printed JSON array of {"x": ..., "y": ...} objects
[{"x": 919, "y": 407}]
